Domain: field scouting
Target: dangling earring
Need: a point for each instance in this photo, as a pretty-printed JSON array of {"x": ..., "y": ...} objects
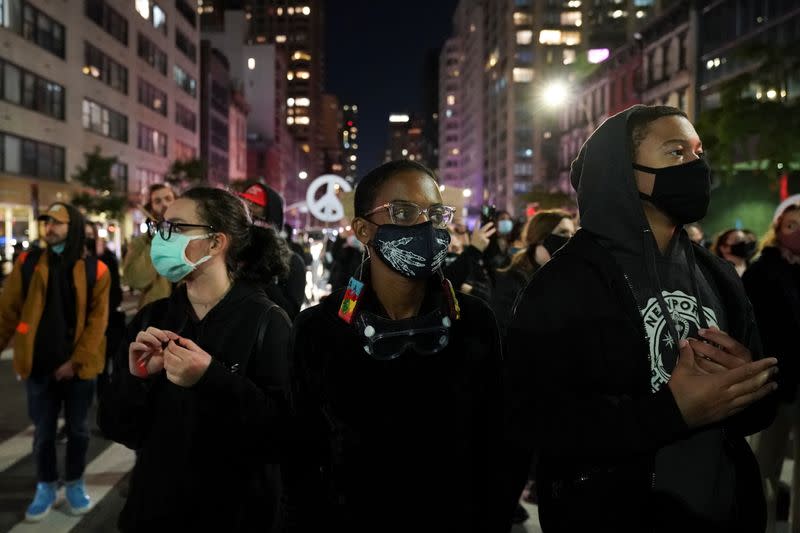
[{"x": 354, "y": 288}]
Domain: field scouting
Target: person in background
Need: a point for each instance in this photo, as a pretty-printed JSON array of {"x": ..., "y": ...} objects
[
  {"x": 546, "y": 233},
  {"x": 498, "y": 253},
  {"x": 517, "y": 238},
  {"x": 398, "y": 387},
  {"x": 266, "y": 205},
  {"x": 733, "y": 246},
  {"x": 696, "y": 234},
  {"x": 348, "y": 254},
  {"x": 634, "y": 363},
  {"x": 300, "y": 249},
  {"x": 201, "y": 389},
  {"x": 96, "y": 246},
  {"x": 137, "y": 268},
  {"x": 773, "y": 285},
  {"x": 465, "y": 264},
  {"x": 55, "y": 304}
]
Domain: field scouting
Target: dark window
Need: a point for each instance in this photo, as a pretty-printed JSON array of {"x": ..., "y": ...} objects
[
  {"x": 119, "y": 173},
  {"x": 219, "y": 97},
  {"x": 152, "y": 54},
  {"x": 152, "y": 97},
  {"x": 99, "y": 65},
  {"x": 219, "y": 134},
  {"x": 25, "y": 88},
  {"x": 28, "y": 157},
  {"x": 105, "y": 121},
  {"x": 186, "y": 10},
  {"x": 42, "y": 30},
  {"x": 186, "y": 46},
  {"x": 107, "y": 18},
  {"x": 186, "y": 118},
  {"x": 152, "y": 140},
  {"x": 184, "y": 81}
]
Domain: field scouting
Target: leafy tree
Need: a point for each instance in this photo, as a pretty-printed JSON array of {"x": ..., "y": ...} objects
[
  {"x": 184, "y": 174},
  {"x": 101, "y": 193}
]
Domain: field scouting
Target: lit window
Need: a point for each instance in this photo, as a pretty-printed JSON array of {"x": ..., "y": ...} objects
[
  {"x": 143, "y": 8},
  {"x": 448, "y": 113},
  {"x": 355, "y": 147},
  {"x": 290, "y": 75},
  {"x": 571, "y": 18},
  {"x": 290, "y": 102},
  {"x": 306, "y": 10},
  {"x": 347, "y": 108},
  {"x": 280, "y": 11},
  {"x": 454, "y": 151},
  {"x": 451, "y": 99},
  {"x": 618, "y": 13},
  {"x": 303, "y": 74},
  {"x": 251, "y": 63},
  {"x": 555, "y": 37},
  {"x": 640, "y": 14},
  {"x": 524, "y": 37},
  {"x": 569, "y": 56},
  {"x": 303, "y": 120},
  {"x": 522, "y": 19},
  {"x": 574, "y": 3},
  {"x": 302, "y": 102},
  {"x": 523, "y": 75},
  {"x": 598, "y": 55},
  {"x": 280, "y": 38},
  {"x": 301, "y": 56},
  {"x": 355, "y": 109},
  {"x": 404, "y": 152},
  {"x": 353, "y": 158},
  {"x": 290, "y": 120},
  {"x": 306, "y": 148},
  {"x": 290, "y": 11}
]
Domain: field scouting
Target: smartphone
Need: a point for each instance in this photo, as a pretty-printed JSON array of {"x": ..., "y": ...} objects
[{"x": 488, "y": 214}]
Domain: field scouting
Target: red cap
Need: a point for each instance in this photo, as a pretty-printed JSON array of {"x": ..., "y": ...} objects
[{"x": 255, "y": 194}]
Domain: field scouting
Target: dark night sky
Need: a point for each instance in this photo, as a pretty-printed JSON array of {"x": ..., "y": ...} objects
[{"x": 375, "y": 58}]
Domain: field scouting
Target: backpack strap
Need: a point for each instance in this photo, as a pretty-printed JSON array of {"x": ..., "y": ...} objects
[{"x": 29, "y": 261}]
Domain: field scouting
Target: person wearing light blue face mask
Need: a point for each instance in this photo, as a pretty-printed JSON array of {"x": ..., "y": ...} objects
[{"x": 204, "y": 373}]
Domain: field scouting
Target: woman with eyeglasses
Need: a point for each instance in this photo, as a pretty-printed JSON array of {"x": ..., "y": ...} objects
[
  {"x": 200, "y": 388},
  {"x": 398, "y": 379}
]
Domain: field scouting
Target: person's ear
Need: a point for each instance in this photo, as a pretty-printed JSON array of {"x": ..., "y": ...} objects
[
  {"x": 364, "y": 230},
  {"x": 218, "y": 244}
]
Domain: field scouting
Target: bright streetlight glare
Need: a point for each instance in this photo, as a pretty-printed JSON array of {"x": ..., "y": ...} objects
[{"x": 555, "y": 94}]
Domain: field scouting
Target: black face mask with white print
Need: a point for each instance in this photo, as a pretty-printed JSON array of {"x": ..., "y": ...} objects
[{"x": 415, "y": 252}]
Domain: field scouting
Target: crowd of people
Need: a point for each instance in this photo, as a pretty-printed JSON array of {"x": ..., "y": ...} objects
[{"x": 606, "y": 364}]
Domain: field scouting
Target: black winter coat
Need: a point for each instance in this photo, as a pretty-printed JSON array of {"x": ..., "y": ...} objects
[
  {"x": 580, "y": 395},
  {"x": 773, "y": 286},
  {"x": 403, "y": 445},
  {"x": 207, "y": 454}
]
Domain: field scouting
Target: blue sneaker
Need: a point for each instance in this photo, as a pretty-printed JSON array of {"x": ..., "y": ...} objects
[
  {"x": 77, "y": 499},
  {"x": 43, "y": 501}
]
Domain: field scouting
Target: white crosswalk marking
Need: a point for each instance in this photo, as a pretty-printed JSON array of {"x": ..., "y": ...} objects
[
  {"x": 101, "y": 476},
  {"x": 16, "y": 448}
]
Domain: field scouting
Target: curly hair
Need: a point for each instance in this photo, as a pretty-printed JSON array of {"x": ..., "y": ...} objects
[{"x": 255, "y": 253}]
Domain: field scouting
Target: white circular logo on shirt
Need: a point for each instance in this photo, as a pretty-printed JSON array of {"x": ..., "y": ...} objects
[{"x": 683, "y": 309}]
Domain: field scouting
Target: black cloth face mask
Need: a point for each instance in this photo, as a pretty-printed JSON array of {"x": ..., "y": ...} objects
[
  {"x": 415, "y": 252},
  {"x": 553, "y": 243},
  {"x": 682, "y": 191},
  {"x": 744, "y": 249}
]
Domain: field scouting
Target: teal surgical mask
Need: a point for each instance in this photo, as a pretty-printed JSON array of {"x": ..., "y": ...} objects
[
  {"x": 504, "y": 227},
  {"x": 169, "y": 257},
  {"x": 58, "y": 248}
]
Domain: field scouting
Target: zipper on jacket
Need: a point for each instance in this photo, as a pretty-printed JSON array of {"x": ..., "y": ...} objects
[{"x": 649, "y": 355}]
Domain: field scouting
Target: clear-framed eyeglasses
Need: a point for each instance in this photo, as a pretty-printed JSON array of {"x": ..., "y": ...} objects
[{"x": 408, "y": 213}]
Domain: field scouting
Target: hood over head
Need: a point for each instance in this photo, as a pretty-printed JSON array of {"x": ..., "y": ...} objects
[{"x": 608, "y": 198}]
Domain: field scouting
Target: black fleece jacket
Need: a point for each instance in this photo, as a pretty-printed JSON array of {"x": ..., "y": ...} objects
[{"x": 207, "y": 454}]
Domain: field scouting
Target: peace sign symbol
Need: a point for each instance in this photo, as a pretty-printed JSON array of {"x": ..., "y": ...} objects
[{"x": 327, "y": 208}]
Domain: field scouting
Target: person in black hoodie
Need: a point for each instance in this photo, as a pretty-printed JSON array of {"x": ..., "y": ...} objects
[
  {"x": 636, "y": 400},
  {"x": 204, "y": 395},
  {"x": 773, "y": 285},
  {"x": 398, "y": 389}
]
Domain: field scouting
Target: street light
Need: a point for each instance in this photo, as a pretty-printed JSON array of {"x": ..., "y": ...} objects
[
  {"x": 554, "y": 94},
  {"x": 467, "y": 193}
]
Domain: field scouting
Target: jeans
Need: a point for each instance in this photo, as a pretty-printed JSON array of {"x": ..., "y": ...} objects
[{"x": 45, "y": 397}]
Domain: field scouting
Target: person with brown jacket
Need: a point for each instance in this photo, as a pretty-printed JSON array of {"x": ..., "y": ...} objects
[
  {"x": 55, "y": 304},
  {"x": 138, "y": 272}
]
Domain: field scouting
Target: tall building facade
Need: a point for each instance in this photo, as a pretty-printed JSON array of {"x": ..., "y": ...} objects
[
  {"x": 215, "y": 96},
  {"x": 349, "y": 142},
  {"x": 121, "y": 76},
  {"x": 297, "y": 30},
  {"x": 237, "y": 134},
  {"x": 407, "y": 140},
  {"x": 330, "y": 125}
]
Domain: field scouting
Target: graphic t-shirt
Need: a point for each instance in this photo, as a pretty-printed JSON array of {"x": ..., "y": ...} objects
[{"x": 694, "y": 472}]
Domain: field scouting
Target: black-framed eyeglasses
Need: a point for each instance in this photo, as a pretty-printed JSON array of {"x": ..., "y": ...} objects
[
  {"x": 407, "y": 213},
  {"x": 165, "y": 228}
]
